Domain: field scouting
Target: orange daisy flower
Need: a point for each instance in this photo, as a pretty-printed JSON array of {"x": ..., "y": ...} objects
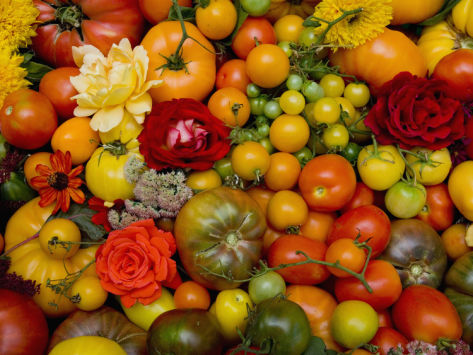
[{"x": 59, "y": 183}]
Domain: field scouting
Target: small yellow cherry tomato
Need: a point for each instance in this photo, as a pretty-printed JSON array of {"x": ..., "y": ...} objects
[
  {"x": 434, "y": 166},
  {"x": 217, "y": 20},
  {"x": 289, "y": 133},
  {"x": 89, "y": 293},
  {"x": 59, "y": 238},
  {"x": 288, "y": 28},
  {"x": 249, "y": 160},
  {"x": 287, "y": 208},
  {"x": 326, "y": 110},
  {"x": 203, "y": 180}
]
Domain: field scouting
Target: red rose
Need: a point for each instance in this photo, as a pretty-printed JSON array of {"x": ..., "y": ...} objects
[
  {"x": 416, "y": 111},
  {"x": 134, "y": 261},
  {"x": 183, "y": 134}
]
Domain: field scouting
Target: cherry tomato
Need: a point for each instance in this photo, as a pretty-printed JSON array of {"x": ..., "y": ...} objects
[
  {"x": 29, "y": 168},
  {"x": 388, "y": 338},
  {"x": 224, "y": 167},
  {"x": 253, "y": 29},
  {"x": 252, "y": 90},
  {"x": 261, "y": 195},
  {"x": 288, "y": 28},
  {"x": 283, "y": 251},
  {"x": 312, "y": 91},
  {"x": 405, "y": 199},
  {"x": 267, "y": 65},
  {"x": 347, "y": 254},
  {"x": 384, "y": 317},
  {"x": 438, "y": 210},
  {"x": 289, "y": 133},
  {"x": 335, "y": 136},
  {"x": 333, "y": 85},
  {"x": 327, "y": 182},
  {"x": 292, "y": 102},
  {"x": 283, "y": 172},
  {"x": 357, "y": 93},
  {"x": 191, "y": 294},
  {"x": 363, "y": 196},
  {"x": 294, "y": 82},
  {"x": 326, "y": 110},
  {"x": 230, "y": 105},
  {"x": 156, "y": 11},
  {"x": 250, "y": 159},
  {"x": 255, "y": 7},
  {"x": 286, "y": 209},
  {"x": 233, "y": 74},
  {"x": 266, "y": 286},
  {"x": 272, "y": 109},
  {"x": 203, "y": 180},
  {"x": 318, "y": 225},
  {"x": 217, "y": 20},
  {"x": 453, "y": 240},
  {"x": 89, "y": 293}
]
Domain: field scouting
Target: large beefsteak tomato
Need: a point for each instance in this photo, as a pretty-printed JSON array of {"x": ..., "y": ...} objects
[{"x": 68, "y": 23}]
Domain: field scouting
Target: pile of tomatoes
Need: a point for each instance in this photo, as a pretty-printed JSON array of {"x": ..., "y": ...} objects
[{"x": 309, "y": 237}]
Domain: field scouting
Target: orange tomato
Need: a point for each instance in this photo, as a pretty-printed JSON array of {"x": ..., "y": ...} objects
[
  {"x": 267, "y": 65},
  {"x": 286, "y": 209},
  {"x": 384, "y": 318},
  {"x": 289, "y": 133},
  {"x": 34, "y": 159},
  {"x": 195, "y": 78},
  {"x": 347, "y": 254},
  {"x": 270, "y": 235},
  {"x": 283, "y": 172},
  {"x": 288, "y": 28},
  {"x": 253, "y": 29},
  {"x": 392, "y": 48},
  {"x": 414, "y": 11},
  {"x": 317, "y": 225},
  {"x": 280, "y": 8},
  {"x": 453, "y": 240},
  {"x": 191, "y": 294},
  {"x": 157, "y": 10},
  {"x": 260, "y": 195},
  {"x": 230, "y": 105},
  {"x": 217, "y": 20},
  {"x": 318, "y": 305},
  {"x": 76, "y": 136},
  {"x": 233, "y": 74}
]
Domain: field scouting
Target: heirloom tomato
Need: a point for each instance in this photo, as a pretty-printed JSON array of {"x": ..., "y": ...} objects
[
  {"x": 158, "y": 10},
  {"x": 59, "y": 90},
  {"x": 280, "y": 8},
  {"x": 460, "y": 274},
  {"x": 253, "y": 29},
  {"x": 417, "y": 251},
  {"x": 58, "y": 230},
  {"x": 414, "y": 11},
  {"x": 27, "y": 119},
  {"x": 464, "y": 305},
  {"x": 462, "y": 15},
  {"x": 286, "y": 209},
  {"x": 460, "y": 188},
  {"x": 369, "y": 223},
  {"x": 217, "y": 20},
  {"x": 405, "y": 199},
  {"x": 101, "y": 23},
  {"x": 185, "y": 331},
  {"x": 387, "y": 338},
  {"x": 438, "y": 210},
  {"x": 220, "y": 231},
  {"x": 191, "y": 73},
  {"x": 233, "y": 73},
  {"x": 383, "y": 279},
  {"x": 432, "y": 167},
  {"x": 32, "y": 262},
  {"x": 87, "y": 344},
  {"x": 267, "y": 65},
  {"x": 284, "y": 251},
  {"x": 327, "y": 182},
  {"x": 267, "y": 285},
  {"x": 456, "y": 69},
  {"x": 380, "y": 167},
  {"x": 392, "y": 48},
  {"x": 424, "y": 313},
  {"x": 16, "y": 188},
  {"x": 281, "y": 323},
  {"x": 453, "y": 240},
  {"x": 363, "y": 196},
  {"x": 318, "y": 306},
  {"x": 261, "y": 196}
]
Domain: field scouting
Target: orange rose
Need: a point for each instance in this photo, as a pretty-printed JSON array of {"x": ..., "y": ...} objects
[{"x": 135, "y": 261}]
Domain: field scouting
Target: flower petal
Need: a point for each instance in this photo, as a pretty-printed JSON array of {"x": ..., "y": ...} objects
[{"x": 107, "y": 118}]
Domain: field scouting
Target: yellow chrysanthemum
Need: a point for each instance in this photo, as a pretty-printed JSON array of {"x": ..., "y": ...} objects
[
  {"x": 354, "y": 29},
  {"x": 17, "y": 18},
  {"x": 12, "y": 75}
]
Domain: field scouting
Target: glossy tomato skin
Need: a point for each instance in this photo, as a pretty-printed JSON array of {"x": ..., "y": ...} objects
[
  {"x": 327, "y": 182},
  {"x": 387, "y": 338},
  {"x": 369, "y": 221},
  {"x": 222, "y": 230},
  {"x": 185, "y": 331},
  {"x": 417, "y": 251},
  {"x": 363, "y": 196},
  {"x": 23, "y": 327},
  {"x": 58, "y": 88},
  {"x": 439, "y": 210},
  {"x": 383, "y": 279},
  {"x": 106, "y": 22},
  {"x": 156, "y": 11},
  {"x": 456, "y": 69},
  {"x": 424, "y": 313},
  {"x": 233, "y": 73},
  {"x": 27, "y": 119},
  {"x": 283, "y": 251},
  {"x": 252, "y": 27}
]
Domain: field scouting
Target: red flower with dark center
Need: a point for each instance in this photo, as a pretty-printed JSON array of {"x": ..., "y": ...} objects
[
  {"x": 59, "y": 183},
  {"x": 101, "y": 217}
]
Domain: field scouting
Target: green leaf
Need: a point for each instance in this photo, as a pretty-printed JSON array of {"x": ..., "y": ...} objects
[
  {"x": 35, "y": 70},
  {"x": 203, "y": 3},
  {"x": 241, "y": 17},
  {"x": 188, "y": 14},
  {"x": 81, "y": 215},
  {"x": 449, "y": 5},
  {"x": 316, "y": 347},
  {"x": 310, "y": 22}
]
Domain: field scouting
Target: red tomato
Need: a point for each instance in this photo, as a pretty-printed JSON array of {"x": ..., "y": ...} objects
[
  {"x": 363, "y": 196},
  {"x": 253, "y": 29},
  {"x": 327, "y": 182},
  {"x": 27, "y": 119},
  {"x": 456, "y": 69},
  {"x": 439, "y": 209},
  {"x": 59, "y": 90},
  {"x": 233, "y": 74},
  {"x": 283, "y": 251},
  {"x": 383, "y": 279},
  {"x": 100, "y": 23},
  {"x": 387, "y": 338},
  {"x": 384, "y": 318},
  {"x": 158, "y": 10},
  {"x": 424, "y": 313},
  {"x": 369, "y": 221},
  {"x": 191, "y": 294}
]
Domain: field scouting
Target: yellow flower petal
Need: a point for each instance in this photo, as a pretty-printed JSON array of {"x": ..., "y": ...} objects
[
  {"x": 107, "y": 118},
  {"x": 141, "y": 105},
  {"x": 84, "y": 112},
  {"x": 78, "y": 53}
]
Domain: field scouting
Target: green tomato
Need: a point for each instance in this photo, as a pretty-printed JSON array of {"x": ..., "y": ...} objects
[
  {"x": 286, "y": 47},
  {"x": 272, "y": 109},
  {"x": 333, "y": 85},
  {"x": 266, "y": 286},
  {"x": 351, "y": 152},
  {"x": 294, "y": 82},
  {"x": 405, "y": 199},
  {"x": 357, "y": 93},
  {"x": 263, "y": 130},
  {"x": 308, "y": 37},
  {"x": 292, "y": 102},
  {"x": 224, "y": 167},
  {"x": 255, "y": 7},
  {"x": 353, "y": 323},
  {"x": 304, "y": 155},
  {"x": 253, "y": 90},
  {"x": 257, "y": 105},
  {"x": 266, "y": 143},
  {"x": 16, "y": 189},
  {"x": 312, "y": 91},
  {"x": 143, "y": 316}
]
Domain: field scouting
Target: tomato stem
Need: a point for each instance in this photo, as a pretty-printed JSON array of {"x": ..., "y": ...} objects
[
  {"x": 330, "y": 24},
  {"x": 33, "y": 237}
]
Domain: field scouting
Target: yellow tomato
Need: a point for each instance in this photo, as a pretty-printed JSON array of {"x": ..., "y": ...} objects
[
  {"x": 60, "y": 238},
  {"x": 288, "y": 28},
  {"x": 433, "y": 168},
  {"x": 87, "y": 345},
  {"x": 462, "y": 16},
  {"x": 286, "y": 209},
  {"x": 217, "y": 20},
  {"x": 414, "y": 11},
  {"x": 289, "y": 133},
  {"x": 203, "y": 180},
  {"x": 143, "y": 316},
  {"x": 347, "y": 107},
  {"x": 267, "y": 65},
  {"x": 460, "y": 188},
  {"x": 230, "y": 308},
  {"x": 250, "y": 160},
  {"x": 284, "y": 170},
  {"x": 88, "y": 293},
  {"x": 34, "y": 159}
]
